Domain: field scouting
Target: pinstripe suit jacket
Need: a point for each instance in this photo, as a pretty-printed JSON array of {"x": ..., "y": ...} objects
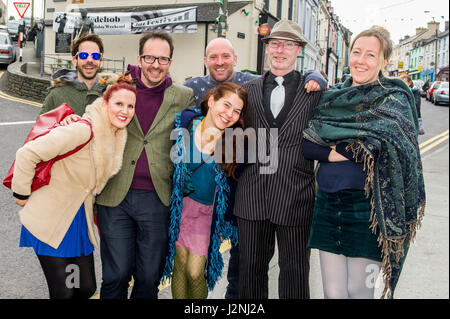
[{"x": 285, "y": 197}]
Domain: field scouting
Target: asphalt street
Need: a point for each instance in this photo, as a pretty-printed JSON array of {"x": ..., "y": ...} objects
[{"x": 425, "y": 274}]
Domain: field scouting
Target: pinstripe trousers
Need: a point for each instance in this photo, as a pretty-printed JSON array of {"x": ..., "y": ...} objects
[{"x": 256, "y": 249}]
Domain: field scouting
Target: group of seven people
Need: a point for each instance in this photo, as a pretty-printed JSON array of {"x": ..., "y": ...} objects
[{"x": 168, "y": 186}]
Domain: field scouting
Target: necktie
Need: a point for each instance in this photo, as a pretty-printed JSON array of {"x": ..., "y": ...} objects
[{"x": 277, "y": 97}]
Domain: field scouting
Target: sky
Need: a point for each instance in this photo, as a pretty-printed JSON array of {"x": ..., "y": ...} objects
[{"x": 399, "y": 17}]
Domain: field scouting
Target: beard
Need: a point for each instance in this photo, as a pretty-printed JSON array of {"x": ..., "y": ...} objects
[
  {"x": 228, "y": 76},
  {"x": 148, "y": 79},
  {"x": 84, "y": 75}
]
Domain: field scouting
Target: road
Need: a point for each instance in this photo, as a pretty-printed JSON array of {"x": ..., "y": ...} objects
[{"x": 425, "y": 274}]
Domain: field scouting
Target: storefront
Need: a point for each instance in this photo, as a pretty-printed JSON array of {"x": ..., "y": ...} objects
[
  {"x": 427, "y": 75},
  {"x": 443, "y": 74}
]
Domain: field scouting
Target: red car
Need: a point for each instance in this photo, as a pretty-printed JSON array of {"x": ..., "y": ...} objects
[{"x": 433, "y": 86}]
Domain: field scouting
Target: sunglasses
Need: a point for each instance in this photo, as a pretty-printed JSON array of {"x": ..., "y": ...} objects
[{"x": 84, "y": 55}]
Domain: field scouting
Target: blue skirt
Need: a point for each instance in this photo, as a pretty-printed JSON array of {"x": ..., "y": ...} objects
[{"x": 74, "y": 244}]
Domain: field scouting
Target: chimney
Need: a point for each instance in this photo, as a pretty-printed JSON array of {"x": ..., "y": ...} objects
[
  {"x": 446, "y": 25},
  {"x": 419, "y": 30},
  {"x": 433, "y": 26}
]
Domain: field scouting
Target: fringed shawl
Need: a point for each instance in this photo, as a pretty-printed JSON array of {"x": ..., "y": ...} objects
[
  {"x": 220, "y": 227},
  {"x": 379, "y": 120}
]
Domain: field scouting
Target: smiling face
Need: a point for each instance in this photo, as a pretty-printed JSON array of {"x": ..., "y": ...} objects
[
  {"x": 153, "y": 74},
  {"x": 220, "y": 60},
  {"x": 87, "y": 69},
  {"x": 282, "y": 57},
  {"x": 366, "y": 60},
  {"x": 224, "y": 112},
  {"x": 120, "y": 108}
]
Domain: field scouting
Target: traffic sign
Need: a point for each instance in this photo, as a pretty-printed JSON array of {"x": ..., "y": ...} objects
[{"x": 21, "y": 7}]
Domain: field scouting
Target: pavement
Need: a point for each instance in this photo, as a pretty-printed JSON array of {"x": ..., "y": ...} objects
[
  {"x": 34, "y": 63},
  {"x": 426, "y": 271}
]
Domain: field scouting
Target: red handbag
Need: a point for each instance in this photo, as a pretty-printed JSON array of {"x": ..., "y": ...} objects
[{"x": 44, "y": 124}]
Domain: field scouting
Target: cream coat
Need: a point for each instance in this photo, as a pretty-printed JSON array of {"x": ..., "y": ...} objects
[{"x": 76, "y": 179}]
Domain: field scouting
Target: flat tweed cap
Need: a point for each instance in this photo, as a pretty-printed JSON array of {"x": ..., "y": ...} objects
[{"x": 286, "y": 30}]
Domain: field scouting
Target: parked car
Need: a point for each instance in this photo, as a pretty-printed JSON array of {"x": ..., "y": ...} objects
[
  {"x": 13, "y": 29},
  {"x": 7, "y": 49},
  {"x": 440, "y": 94},
  {"x": 431, "y": 89},
  {"x": 418, "y": 85}
]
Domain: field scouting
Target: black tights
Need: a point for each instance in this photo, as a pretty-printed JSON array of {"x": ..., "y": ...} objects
[{"x": 69, "y": 277}]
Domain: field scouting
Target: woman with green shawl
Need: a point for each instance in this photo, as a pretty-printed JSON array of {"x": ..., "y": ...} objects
[{"x": 371, "y": 194}]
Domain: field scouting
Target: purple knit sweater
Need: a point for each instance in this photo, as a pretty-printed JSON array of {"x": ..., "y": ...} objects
[{"x": 148, "y": 101}]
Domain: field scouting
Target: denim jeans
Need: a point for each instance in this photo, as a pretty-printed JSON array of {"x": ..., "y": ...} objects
[{"x": 133, "y": 242}]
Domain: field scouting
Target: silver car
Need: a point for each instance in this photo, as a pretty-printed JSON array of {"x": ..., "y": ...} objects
[
  {"x": 7, "y": 49},
  {"x": 418, "y": 85},
  {"x": 440, "y": 93}
]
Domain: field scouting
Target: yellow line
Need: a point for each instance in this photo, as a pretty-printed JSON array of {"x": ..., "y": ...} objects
[
  {"x": 433, "y": 139},
  {"x": 439, "y": 141},
  {"x": 16, "y": 99}
]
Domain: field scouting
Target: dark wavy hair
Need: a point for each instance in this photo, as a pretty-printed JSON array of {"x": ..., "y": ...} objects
[
  {"x": 219, "y": 92},
  {"x": 156, "y": 34}
]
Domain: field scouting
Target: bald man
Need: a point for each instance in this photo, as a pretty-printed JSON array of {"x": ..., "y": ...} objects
[{"x": 220, "y": 61}]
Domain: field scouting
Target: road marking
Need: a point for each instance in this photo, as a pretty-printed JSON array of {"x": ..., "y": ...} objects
[
  {"x": 436, "y": 143},
  {"x": 433, "y": 139},
  {"x": 16, "y": 123},
  {"x": 16, "y": 99}
]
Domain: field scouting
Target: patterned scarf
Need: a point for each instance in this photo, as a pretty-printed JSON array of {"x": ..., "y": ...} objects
[{"x": 380, "y": 120}]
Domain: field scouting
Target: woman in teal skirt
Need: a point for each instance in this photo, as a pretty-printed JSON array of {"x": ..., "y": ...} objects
[{"x": 371, "y": 196}]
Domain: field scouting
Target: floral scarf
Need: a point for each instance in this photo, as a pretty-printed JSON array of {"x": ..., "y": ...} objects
[{"x": 379, "y": 120}]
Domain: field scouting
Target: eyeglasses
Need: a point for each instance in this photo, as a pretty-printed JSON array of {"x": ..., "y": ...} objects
[
  {"x": 289, "y": 45},
  {"x": 84, "y": 55},
  {"x": 150, "y": 59}
]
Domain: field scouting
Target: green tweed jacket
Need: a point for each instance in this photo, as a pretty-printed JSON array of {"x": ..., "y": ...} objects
[{"x": 157, "y": 145}]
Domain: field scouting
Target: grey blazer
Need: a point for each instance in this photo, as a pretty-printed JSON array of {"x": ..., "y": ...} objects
[{"x": 285, "y": 196}]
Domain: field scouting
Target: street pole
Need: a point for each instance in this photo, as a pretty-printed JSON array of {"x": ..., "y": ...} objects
[
  {"x": 32, "y": 14},
  {"x": 223, "y": 12},
  {"x": 436, "y": 52}
]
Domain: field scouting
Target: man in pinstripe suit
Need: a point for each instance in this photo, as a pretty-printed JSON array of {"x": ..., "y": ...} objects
[{"x": 278, "y": 202}]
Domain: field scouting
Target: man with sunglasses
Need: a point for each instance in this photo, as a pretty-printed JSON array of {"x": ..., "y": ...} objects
[
  {"x": 133, "y": 209},
  {"x": 82, "y": 86}
]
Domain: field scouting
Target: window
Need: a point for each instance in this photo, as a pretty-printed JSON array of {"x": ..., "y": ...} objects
[
  {"x": 279, "y": 8},
  {"x": 307, "y": 30},
  {"x": 314, "y": 25},
  {"x": 3, "y": 39}
]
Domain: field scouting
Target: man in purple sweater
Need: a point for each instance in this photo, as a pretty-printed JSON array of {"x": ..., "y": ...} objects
[{"x": 133, "y": 214}]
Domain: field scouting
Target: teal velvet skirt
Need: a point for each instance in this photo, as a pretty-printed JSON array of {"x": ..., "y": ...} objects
[{"x": 341, "y": 225}]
